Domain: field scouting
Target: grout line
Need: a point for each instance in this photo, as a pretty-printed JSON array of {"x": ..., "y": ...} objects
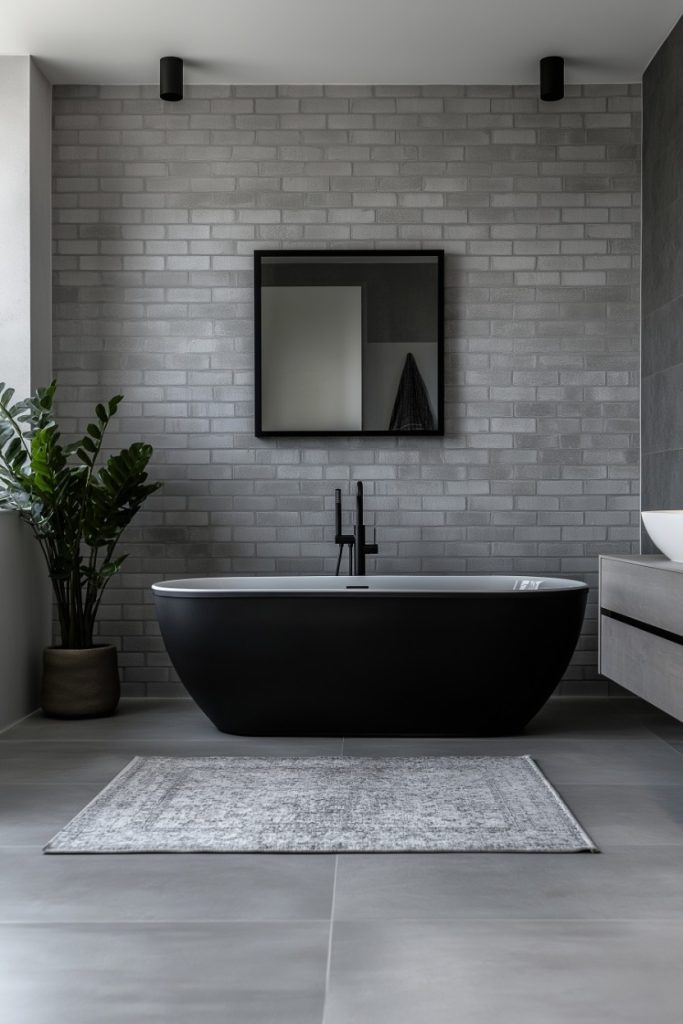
[
  {"x": 13, "y": 725},
  {"x": 328, "y": 966},
  {"x": 181, "y": 922}
]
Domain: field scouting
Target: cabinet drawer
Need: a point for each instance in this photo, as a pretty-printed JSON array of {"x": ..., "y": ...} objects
[
  {"x": 648, "y": 665},
  {"x": 642, "y": 592}
]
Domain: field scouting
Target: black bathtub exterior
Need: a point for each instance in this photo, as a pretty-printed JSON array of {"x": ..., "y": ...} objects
[{"x": 354, "y": 662}]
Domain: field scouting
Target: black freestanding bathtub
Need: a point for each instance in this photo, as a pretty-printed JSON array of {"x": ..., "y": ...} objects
[{"x": 370, "y": 655}]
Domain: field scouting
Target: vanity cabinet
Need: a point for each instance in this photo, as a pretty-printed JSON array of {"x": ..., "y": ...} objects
[{"x": 641, "y": 627}]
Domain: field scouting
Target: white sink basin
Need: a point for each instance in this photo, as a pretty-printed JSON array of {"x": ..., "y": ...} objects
[{"x": 665, "y": 529}]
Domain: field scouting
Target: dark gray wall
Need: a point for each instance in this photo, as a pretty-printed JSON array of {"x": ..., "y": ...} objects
[
  {"x": 158, "y": 209},
  {"x": 662, "y": 285}
]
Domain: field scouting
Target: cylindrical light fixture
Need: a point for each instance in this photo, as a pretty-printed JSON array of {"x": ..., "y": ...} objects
[
  {"x": 171, "y": 79},
  {"x": 552, "y": 79}
]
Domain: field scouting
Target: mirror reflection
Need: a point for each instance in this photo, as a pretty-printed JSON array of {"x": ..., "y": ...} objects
[{"x": 349, "y": 342}]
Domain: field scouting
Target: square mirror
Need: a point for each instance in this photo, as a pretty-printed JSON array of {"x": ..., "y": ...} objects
[{"x": 349, "y": 342}]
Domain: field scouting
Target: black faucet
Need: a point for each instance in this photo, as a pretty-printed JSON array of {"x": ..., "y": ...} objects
[
  {"x": 361, "y": 549},
  {"x": 358, "y": 548}
]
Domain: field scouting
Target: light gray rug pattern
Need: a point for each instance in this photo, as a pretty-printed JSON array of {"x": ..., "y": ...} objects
[{"x": 325, "y": 804}]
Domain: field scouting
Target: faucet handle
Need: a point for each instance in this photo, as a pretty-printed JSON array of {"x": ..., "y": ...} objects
[{"x": 372, "y": 549}]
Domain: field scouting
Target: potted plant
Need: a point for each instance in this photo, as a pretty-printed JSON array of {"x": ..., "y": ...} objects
[{"x": 77, "y": 512}]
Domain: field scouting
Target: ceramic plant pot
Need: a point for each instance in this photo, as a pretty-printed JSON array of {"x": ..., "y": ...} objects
[{"x": 80, "y": 683}]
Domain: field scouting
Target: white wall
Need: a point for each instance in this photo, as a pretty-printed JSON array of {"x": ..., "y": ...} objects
[
  {"x": 40, "y": 134},
  {"x": 25, "y": 358},
  {"x": 15, "y": 210}
]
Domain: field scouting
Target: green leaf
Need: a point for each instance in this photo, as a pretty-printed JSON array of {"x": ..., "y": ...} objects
[
  {"x": 108, "y": 569},
  {"x": 12, "y": 448},
  {"x": 44, "y": 396},
  {"x": 77, "y": 512}
]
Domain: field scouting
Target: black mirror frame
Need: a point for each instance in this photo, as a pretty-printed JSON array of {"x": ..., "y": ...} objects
[{"x": 261, "y": 254}]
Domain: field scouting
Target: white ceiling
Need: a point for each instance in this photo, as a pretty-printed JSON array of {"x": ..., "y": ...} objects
[{"x": 342, "y": 41}]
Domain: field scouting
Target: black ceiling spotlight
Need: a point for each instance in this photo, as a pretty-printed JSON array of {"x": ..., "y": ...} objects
[
  {"x": 171, "y": 79},
  {"x": 552, "y": 79}
]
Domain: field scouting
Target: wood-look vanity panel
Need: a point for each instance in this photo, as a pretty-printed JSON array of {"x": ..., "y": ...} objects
[
  {"x": 647, "y": 589},
  {"x": 648, "y": 665}
]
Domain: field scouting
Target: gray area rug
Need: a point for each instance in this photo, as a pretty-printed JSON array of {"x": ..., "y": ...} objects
[{"x": 325, "y": 805}]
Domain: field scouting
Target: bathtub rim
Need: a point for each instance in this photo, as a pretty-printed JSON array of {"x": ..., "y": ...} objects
[{"x": 361, "y": 587}]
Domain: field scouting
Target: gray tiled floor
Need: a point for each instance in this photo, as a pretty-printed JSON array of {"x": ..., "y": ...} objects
[{"x": 539, "y": 939}]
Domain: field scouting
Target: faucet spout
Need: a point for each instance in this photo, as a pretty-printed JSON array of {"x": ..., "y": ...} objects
[
  {"x": 342, "y": 540},
  {"x": 361, "y": 548},
  {"x": 359, "y": 532}
]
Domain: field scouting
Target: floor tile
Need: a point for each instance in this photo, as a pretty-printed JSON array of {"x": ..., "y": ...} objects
[
  {"x": 38, "y": 763},
  {"x": 576, "y": 716},
  {"x": 41, "y": 762},
  {"x": 159, "y": 719},
  {"x": 663, "y": 725},
  {"x": 31, "y": 815},
  {"x": 47, "y": 888},
  {"x": 213, "y": 974},
  {"x": 518, "y": 972},
  {"x": 625, "y": 882},
  {"x": 139, "y": 719},
  {"x": 628, "y": 815},
  {"x": 643, "y": 759}
]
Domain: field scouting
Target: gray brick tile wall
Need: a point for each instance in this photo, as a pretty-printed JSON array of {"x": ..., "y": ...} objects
[{"x": 157, "y": 211}]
